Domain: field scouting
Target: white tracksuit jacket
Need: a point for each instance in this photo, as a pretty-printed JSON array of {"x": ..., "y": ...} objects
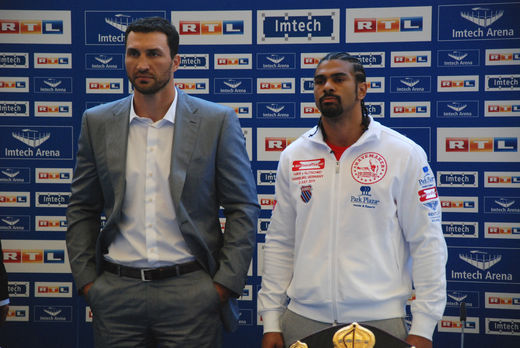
[{"x": 347, "y": 237}]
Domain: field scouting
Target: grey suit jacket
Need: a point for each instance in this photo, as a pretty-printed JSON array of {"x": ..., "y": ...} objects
[{"x": 209, "y": 169}]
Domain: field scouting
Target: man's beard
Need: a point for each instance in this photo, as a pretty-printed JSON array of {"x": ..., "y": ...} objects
[
  {"x": 331, "y": 110},
  {"x": 152, "y": 88}
]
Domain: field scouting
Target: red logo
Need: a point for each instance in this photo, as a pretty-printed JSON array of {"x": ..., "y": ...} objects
[
  {"x": 313, "y": 164},
  {"x": 427, "y": 194},
  {"x": 369, "y": 168}
]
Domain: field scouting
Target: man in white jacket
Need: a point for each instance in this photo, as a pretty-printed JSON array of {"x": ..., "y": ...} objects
[{"x": 357, "y": 220}]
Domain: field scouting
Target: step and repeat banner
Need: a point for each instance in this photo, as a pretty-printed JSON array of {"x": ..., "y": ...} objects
[{"x": 445, "y": 73}]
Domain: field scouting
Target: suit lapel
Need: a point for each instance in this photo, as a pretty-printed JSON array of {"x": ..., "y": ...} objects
[
  {"x": 116, "y": 132},
  {"x": 184, "y": 142}
]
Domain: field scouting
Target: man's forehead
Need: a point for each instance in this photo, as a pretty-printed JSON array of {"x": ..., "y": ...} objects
[
  {"x": 334, "y": 66},
  {"x": 152, "y": 37}
]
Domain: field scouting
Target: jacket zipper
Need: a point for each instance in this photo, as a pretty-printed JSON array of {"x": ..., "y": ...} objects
[{"x": 334, "y": 244}]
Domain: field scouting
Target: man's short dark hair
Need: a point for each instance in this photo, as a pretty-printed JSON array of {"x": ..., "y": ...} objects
[{"x": 152, "y": 24}]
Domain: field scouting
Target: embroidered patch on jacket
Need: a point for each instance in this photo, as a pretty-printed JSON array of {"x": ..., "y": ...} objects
[
  {"x": 369, "y": 168},
  {"x": 306, "y": 193}
]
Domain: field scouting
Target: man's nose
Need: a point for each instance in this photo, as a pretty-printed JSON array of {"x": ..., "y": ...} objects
[{"x": 142, "y": 64}]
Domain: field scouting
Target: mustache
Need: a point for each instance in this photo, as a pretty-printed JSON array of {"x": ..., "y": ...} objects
[{"x": 328, "y": 96}]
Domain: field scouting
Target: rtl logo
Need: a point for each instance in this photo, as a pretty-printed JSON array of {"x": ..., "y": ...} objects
[
  {"x": 13, "y": 26},
  {"x": 410, "y": 59},
  {"x": 53, "y": 289},
  {"x": 232, "y": 61},
  {"x": 503, "y": 230},
  {"x": 275, "y": 85},
  {"x": 457, "y": 204},
  {"x": 104, "y": 85},
  {"x": 310, "y": 61},
  {"x": 12, "y": 84},
  {"x": 13, "y": 199},
  {"x": 494, "y": 179},
  {"x": 277, "y": 143},
  {"x": 52, "y": 60},
  {"x": 34, "y": 256},
  {"x": 53, "y": 176},
  {"x": 52, "y": 223},
  {"x": 495, "y": 57},
  {"x": 419, "y": 109},
  {"x": 457, "y": 83},
  {"x": 497, "y": 144},
  {"x": 310, "y": 110},
  {"x": 211, "y": 27},
  {"x": 53, "y": 108},
  {"x": 504, "y": 108},
  {"x": 190, "y": 85},
  {"x": 385, "y": 25}
]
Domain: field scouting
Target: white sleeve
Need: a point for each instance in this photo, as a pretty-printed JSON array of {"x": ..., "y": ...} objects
[
  {"x": 278, "y": 253},
  {"x": 419, "y": 215}
]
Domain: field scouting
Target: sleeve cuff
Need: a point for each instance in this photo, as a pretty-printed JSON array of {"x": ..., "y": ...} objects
[
  {"x": 4, "y": 302},
  {"x": 423, "y": 325},
  {"x": 271, "y": 320}
]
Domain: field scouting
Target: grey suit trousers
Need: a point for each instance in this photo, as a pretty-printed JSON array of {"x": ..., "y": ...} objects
[{"x": 171, "y": 313}]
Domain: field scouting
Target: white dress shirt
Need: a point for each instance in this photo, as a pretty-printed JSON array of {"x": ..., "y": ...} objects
[{"x": 150, "y": 235}]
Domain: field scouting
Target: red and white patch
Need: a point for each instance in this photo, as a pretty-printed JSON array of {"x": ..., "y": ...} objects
[
  {"x": 313, "y": 164},
  {"x": 427, "y": 194},
  {"x": 369, "y": 168}
]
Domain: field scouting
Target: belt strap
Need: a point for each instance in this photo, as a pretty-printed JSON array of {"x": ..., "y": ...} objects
[{"x": 148, "y": 274}]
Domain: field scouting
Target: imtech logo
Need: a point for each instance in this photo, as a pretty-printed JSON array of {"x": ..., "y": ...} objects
[
  {"x": 213, "y": 27},
  {"x": 501, "y": 108},
  {"x": 266, "y": 177},
  {"x": 14, "y": 84},
  {"x": 14, "y": 108},
  {"x": 503, "y": 83},
  {"x": 275, "y": 85},
  {"x": 459, "y": 204},
  {"x": 53, "y": 313},
  {"x": 502, "y": 179},
  {"x": 491, "y": 144},
  {"x": 15, "y": 199},
  {"x": 473, "y": 22},
  {"x": 243, "y": 110},
  {"x": 14, "y": 60},
  {"x": 52, "y": 109},
  {"x": 35, "y": 27},
  {"x": 309, "y": 110},
  {"x": 462, "y": 83},
  {"x": 502, "y": 205},
  {"x": 18, "y": 289},
  {"x": 108, "y": 27},
  {"x": 306, "y": 85},
  {"x": 53, "y": 289},
  {"x": 52, "y": 199},
  {"x": 233, "y": 85},
  {"x": 38, "y": 142},
  {"x": 410, "y": 109},
  {"x": 53, "y": 85},
  {"x": 458, "y": 58},
  {"x": 194, "y": 62},
  {"x": 371, "y": 59},
  {"x": 104, "y": 86},
  {"x": 458, "y": 108},
  {"x": 274, "y": 61},
  {"x": 503, "y": 326},
  {"x": 389, "y": 24},
  {"x": 376, "y": 109},
  {"x": 53, "y": 61},
  {"x": 457, "y": 179},
  {"x": 298, "y": 26},
  {"x": 411, "y": 59},
  {"x": 410, "y": 84},
  {"x": 459, "y": 229},
  {"x": 233, "y": 61},
  {"x": 103, "y": 61},
  {"x": 507, "y": 56},
  {"x": 502, "y": 230},
  {"x": 276, "y": 110},
  {"x": 481, "y": 259},
  {"x": 39, "y": 256},
  {"x": 9, "y": 175},
  {"x": 15, "y": 223},
  {"x": 31, "y": 137},
  {"x": 193, "y": 86}
]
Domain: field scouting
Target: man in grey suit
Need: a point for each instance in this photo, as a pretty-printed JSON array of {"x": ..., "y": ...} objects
[{"x": 160, "y": 164}]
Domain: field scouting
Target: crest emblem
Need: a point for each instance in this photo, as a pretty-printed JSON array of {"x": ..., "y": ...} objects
[{"x": 306, "y": 193}]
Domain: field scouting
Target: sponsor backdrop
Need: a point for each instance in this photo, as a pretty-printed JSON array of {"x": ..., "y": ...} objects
[{"x": 445, "y": 73}]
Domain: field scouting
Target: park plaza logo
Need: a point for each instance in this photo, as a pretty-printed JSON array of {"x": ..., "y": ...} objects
[
  {"x": 14, "y": 60},
  {"x": 14, "y": 84}
]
